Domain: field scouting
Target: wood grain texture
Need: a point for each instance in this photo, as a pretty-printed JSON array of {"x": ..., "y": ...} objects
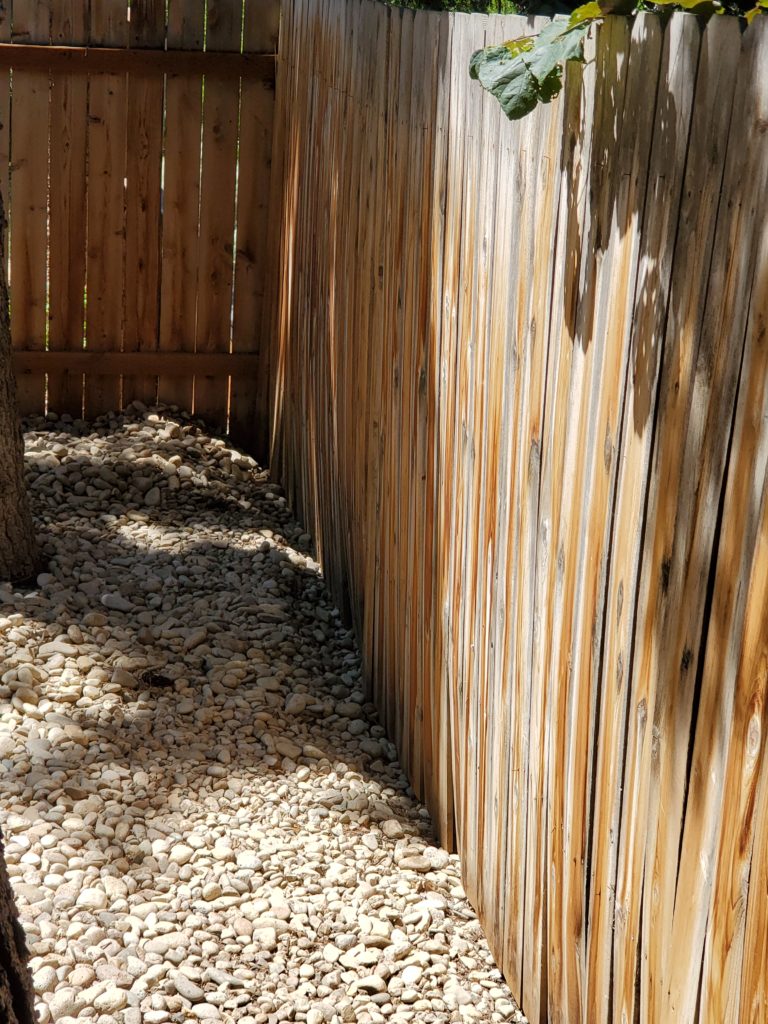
[
  {"x": 107, "y": 163},
  {"x": 29, "y": 199},
  {"x": 143, "y": 201},
  {"x": 181, "y": 200},
  {"x": 250, "y": 411},
  {"x": 216, "y": 237},
  {"x": 517, "y": 424},
  {"x": 68, "y": 210},
  {"x": 115, "y": 226}
]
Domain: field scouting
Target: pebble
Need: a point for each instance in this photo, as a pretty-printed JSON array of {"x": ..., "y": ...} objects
[
  {"x": 187, "y": 988},
  {"x": 92, "y": 899},
  {"x": 204, "y": 819},
  {"x": 116, "y": 602}
]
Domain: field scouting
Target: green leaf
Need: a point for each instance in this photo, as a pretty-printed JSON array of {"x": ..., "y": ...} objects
[
  {"x": 587, "y": 12},
  {"x": 521, "y": 45},
  {"x": 512, "y": 84},
  {"x": 554, "y": 47},
  {"x": 551, "y": 85},
  {"x": 527, "y": 71},
  {"x": 695, "y": 6}
]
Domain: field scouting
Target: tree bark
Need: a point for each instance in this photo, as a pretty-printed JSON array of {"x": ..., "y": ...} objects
[
  {"x": 17, "y": 1002},
  {"x": 18, "y": 550}
]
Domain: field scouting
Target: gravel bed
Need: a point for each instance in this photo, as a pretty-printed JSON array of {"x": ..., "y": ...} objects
[{"x": 203, "y": 819}]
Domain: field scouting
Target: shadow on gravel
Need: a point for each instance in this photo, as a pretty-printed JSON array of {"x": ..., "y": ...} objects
[{"x": 163, "y": 697}]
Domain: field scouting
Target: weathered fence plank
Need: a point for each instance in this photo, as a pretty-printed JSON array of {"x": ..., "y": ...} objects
[
  {"x": 68, "y": 225},
  {"x": 143, "y": 202},
  {"x": 255, "y": 263},
  {"x": 181, "y": 200},
  {"x": 525, "y": 439},
  {"x": 217, "y": 211},
  {"x": 29, "y": 198},
  {"x": 105, "y": 261}
]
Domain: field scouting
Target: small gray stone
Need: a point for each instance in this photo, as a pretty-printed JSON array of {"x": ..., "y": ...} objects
[
  {"x": 392, "y": 829},
  {"x": 187, "y": 988}
]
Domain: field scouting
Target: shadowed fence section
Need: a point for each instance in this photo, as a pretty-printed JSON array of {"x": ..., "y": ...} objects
[
  {"x": 523, "y": 406},
  {"x": 135, "y": 156}
]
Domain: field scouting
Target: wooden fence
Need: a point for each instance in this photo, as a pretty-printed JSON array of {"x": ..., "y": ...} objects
[
  {"x": 135, "y": 156},
  {"x": 523, "y": 407}
]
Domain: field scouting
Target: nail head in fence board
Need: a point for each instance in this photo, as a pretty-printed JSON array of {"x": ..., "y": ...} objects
[
  {"x": 217, "y": 211},
  {"x": 181, "y": 198},
  {"x": 68, "y": 217},
  {"x": 29, "y": 200},
  {"x": 143, "y": 201}
]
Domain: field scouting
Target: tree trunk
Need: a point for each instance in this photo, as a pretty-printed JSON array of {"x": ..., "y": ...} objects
[
  {"x": 16, "y": 996},
  {"x": 18, "y": 559},
  {"x": 18, "y": 550}
]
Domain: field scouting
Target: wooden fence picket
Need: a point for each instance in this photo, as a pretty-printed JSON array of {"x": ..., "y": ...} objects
[{"x": 525, "y": 547}]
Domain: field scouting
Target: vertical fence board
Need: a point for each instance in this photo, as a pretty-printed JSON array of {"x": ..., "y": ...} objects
[
  {"x": 250, "y": 400},
  {"x": 5, "y": 127},
  {"x": 68, "y": 208},
  {"x": 619, "y": 158},
  {"x": 696, "y": 481},
  {"x": 656, "y": 248},
  {"x": 181, "y": 201},
  {"x": 217, "y": 212},
  {"x": 105, "y": 265},
  {"x": 28, "y": 204},
  {"x": 659, "y": 590},
  {"x": 723, "y": 776},
  {"x": 438, "y": 768},
  {"x": 143, "y": 201}
]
